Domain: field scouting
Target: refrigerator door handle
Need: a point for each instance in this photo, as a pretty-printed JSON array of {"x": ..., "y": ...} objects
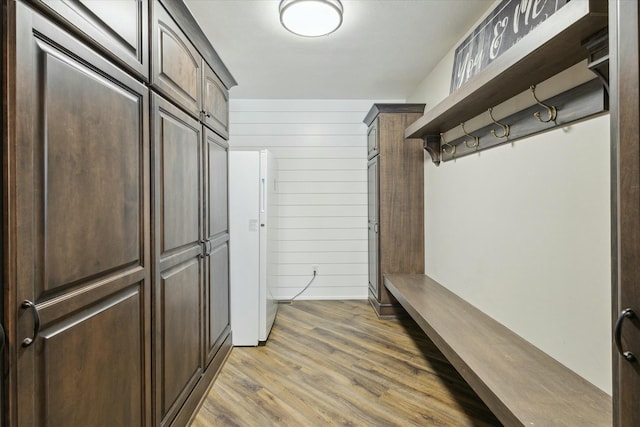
[{"x": 262, "y": 194}]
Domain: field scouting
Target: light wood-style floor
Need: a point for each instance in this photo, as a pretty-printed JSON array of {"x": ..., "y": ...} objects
[{"x": 335, "y": 363}]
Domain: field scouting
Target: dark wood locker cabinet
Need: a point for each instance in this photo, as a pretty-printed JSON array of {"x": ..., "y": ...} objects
[
  {"x": 395, "y": 200},
  {"x": 76, "y": 185},
  {"x": 115, "y": 243},
  {"x": 215, "y": 102},
  {"x": 117, "y": 28},
  {"x": 624, "y": 42},
  {"x": 178, "y": 284},
  {"x": 176, "y": 68},
  {"x": 216, "y": 238},
  {"x": 192, "y": 322}
]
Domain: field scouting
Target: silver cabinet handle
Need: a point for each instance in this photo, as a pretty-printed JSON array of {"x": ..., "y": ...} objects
[
  {"x": 26, "y": 304},
  {"x": 627, "y": 313}
]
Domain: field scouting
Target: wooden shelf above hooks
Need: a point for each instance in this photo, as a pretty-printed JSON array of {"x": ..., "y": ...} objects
[{"x": 555, "y": 45}]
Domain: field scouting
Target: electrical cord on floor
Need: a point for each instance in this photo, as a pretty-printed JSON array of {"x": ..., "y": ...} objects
[{"x": 290, "y": 301}]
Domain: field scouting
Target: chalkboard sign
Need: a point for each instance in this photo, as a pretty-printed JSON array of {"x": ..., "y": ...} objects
[{"x": 500, "y": 30}]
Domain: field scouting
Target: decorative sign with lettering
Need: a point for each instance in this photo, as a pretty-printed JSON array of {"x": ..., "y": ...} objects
[{"x": 504, "y": 27}]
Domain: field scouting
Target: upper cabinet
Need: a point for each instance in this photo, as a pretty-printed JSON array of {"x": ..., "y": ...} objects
[
  {"x": 119, "y": 28},
  {"x": 215, "y": 102},
  {"x": 372, "y": 139},
  {"x": 176, "y": 68}
]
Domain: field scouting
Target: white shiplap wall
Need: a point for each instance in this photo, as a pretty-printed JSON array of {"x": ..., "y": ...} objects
[{"x": 322, "y": 192}]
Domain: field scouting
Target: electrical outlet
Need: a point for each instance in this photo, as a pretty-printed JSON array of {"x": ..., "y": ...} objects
[{"x": 315, "y": 268}]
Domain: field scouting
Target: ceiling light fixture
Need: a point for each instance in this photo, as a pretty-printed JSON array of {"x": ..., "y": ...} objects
[{"x": 311, "y": 18}]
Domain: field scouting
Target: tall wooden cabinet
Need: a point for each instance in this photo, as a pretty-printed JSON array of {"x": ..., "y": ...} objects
[
  {"x": 624, "y": 38},
  {"x": 395, "y": 200},
  {"x": 115, "y": 237}
]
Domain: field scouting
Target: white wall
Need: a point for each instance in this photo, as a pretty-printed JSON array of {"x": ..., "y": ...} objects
[
  {"x": 522, "y": 231},
  {"x": 322, "y": 194}
]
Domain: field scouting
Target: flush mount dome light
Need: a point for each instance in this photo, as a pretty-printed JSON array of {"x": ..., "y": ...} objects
[{"x": 311, "y": 18}]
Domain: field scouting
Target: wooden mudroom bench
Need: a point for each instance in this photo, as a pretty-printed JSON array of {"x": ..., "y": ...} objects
[{"x": 521, "y": 384}]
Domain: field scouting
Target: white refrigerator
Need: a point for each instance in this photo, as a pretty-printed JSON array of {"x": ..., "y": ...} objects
[{"x": 253, "y": 251}]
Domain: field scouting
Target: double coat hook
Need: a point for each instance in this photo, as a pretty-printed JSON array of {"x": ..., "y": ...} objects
[
  {"x": 476, "y": 139},
  {"x": 551, "y": 110},
  {"x": 444, "y": 144},
  {"x": 505, "y": 128}
]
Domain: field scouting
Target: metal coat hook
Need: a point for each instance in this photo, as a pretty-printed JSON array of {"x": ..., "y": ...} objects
[
  {"x": 475, "y": 138},
  {"x": 443, "y": 144},
  {"x": 551, "y": 110},
  {"x": 505, "y": 128}
]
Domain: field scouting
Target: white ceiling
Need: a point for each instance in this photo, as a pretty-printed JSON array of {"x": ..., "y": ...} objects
[{"x": 383, "y": 49}]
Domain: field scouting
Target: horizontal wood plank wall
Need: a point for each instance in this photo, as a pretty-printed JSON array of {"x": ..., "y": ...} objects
[{"x": 322, "y": 192}]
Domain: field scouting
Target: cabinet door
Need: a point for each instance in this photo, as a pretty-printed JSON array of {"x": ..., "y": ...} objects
[
  {"x": 625, "y": 176},
  {"x": 178, "y": 291},
  {"x": 216, "y": 238},
  {"x": 215, "y": 102},
  {"x": 216, "y": 184},
  {"x": 118, "y": 27},
  {"x": 218, "y": 318},
  {"x": 373, "y": 225},
  {"x": 373, "y": 139},
  {"x": 176, "y": 65},
  {"x": 79, "y": 202}
]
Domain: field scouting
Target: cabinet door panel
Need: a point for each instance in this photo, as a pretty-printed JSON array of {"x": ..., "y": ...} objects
[
  {"x": 80, "y": 200},
  {"x": 218, "y": 299},
  {"x": 373, "y": 225},
  {"x": 177, "y": 148},
  {"x": 216, "y": 218},
  {"x": 118, "y": 27},
  {"x": 215, "y": 102},
  {"x": 78, "y": 388},
  {"x": 180, "y": 362},
  {"x": 89, "y": 227},
  {"x": 179, "y": 293},
  {"x": 373, "y": 139},
  {"x": 176, "y": 67}
]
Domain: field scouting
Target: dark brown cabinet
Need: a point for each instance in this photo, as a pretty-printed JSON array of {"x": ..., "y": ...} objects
[
  {"x": 624, "y": 42},
  {"x": 178, "y": 290},
  {"x": 372, "y": 140},
  {"x": 115, "y": 228},
  {"x": 78, "y": 201},
  {"x": 176, "y": 66},
  {"x": 216, "y": 238},
  {"x": 215, "y": 102},
  {"x": 373, "y": 223},
  {"x": 119, "y": 28},
  {"x": 395, "y": 200}
]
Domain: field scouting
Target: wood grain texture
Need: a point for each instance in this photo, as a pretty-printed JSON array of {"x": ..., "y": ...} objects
[
  {"x": 521, "y": 384},
  {"x": 116, "y": 27},
  {"x": 178, "y": 271},
  {"x": 78, "y": 193},
  {"x": 181, "y": 14},
  {"x": 376, "y": 109},
  {"x": 176, "y": 66},
  {"x": 401, "y": 204},
  {"x": 554, "y": 46},
  {"x": 625, "y": 181},
  {"x": 576, "y": 104},
  {"x": 215, "y": 102},
  {"x": 335, "y": 363}
]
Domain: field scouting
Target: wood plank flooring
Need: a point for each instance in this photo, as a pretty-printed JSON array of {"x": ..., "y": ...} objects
[{"x": 335, "y": 363}]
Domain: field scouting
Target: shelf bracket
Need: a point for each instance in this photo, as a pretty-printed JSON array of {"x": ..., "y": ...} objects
[
  {"x": 598, "y": 60},
  {"x": 432, "y": 145}
]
